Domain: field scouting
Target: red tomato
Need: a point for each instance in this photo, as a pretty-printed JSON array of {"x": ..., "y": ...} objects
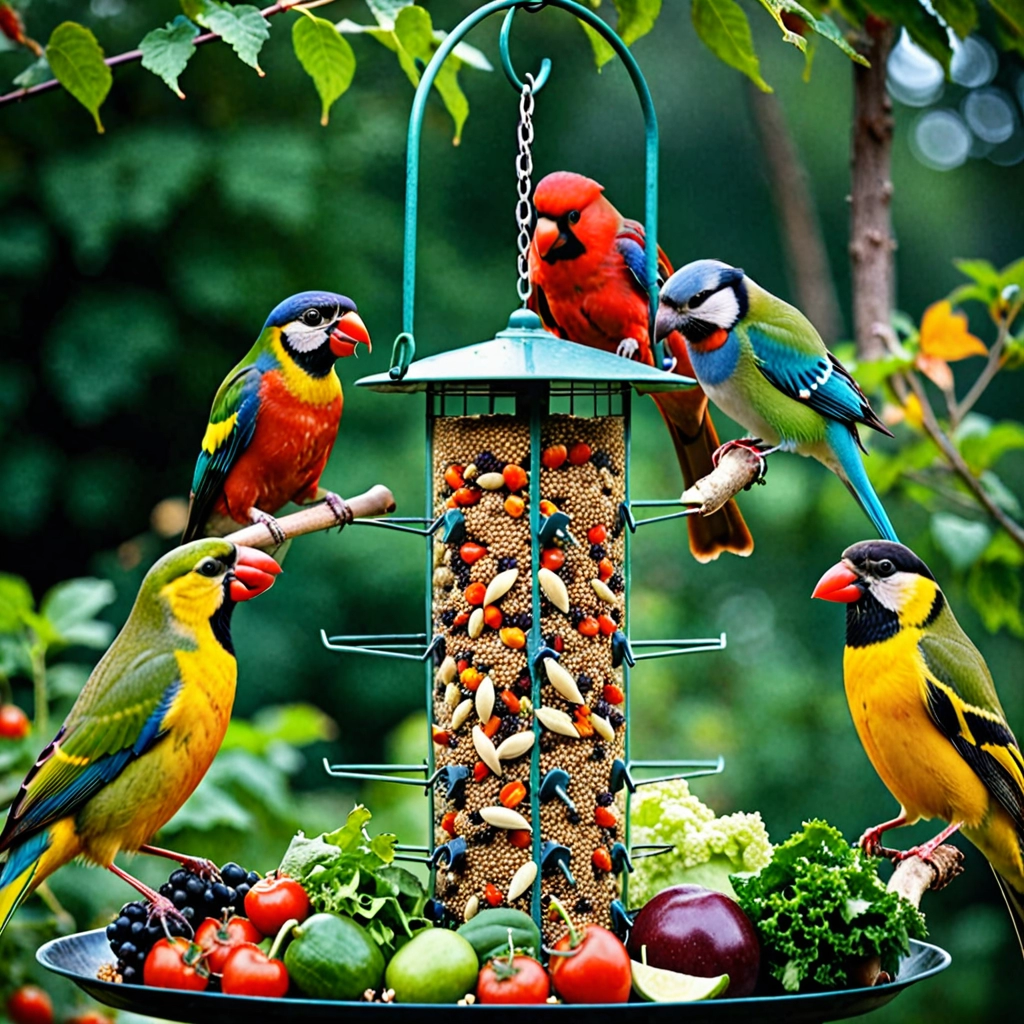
[
  {"x": 218, "y": 938},
  {"x": 90, "y": 1017},
  {"x": 272, "y": 901},
  {"x": 250, "y": 972},
  {"x": 176, "y": 963},
  {"x": 30, "y": 1005},
  {"x": 522, "y": 981},
  {"x": 599, "y": 972},
  {"x": 14, "y": 724}
]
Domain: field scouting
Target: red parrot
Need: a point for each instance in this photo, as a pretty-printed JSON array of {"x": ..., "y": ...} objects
[
  {"x": 275, "y": 418},
  {"x": 587, "y": 267}
]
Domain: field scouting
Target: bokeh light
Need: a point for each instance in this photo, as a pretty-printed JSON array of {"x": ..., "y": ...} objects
[{"x": 941, "y": 140}]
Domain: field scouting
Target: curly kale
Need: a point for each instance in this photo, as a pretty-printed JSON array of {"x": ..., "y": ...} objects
[{"x": 819, "y": 907}]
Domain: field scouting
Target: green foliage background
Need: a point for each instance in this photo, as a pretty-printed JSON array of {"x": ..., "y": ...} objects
[{"x": 137, "y": 266}]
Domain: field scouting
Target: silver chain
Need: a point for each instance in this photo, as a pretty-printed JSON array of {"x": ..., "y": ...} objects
[{"x": 524, "y": 186}]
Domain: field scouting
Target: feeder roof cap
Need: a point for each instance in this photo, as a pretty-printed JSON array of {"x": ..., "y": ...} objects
[{"x": 525, "y": 352}]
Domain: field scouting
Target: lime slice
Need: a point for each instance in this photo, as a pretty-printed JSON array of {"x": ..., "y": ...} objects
[{"x": 657, "y": 985}]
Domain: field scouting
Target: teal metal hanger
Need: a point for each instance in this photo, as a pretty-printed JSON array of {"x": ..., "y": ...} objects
[{"x": 405, "y": 345}]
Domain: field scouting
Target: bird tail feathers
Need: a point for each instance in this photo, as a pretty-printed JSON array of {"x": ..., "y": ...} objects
[
  {"x": 18, "y": 873},
  {"x": 1015, "y": 905},
  {"x": 852, "y": 473}
]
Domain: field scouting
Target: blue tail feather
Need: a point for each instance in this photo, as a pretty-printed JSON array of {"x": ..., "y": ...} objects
[
  {"x": 843, "y": 444},
  {"x": 18, "y": 872}
]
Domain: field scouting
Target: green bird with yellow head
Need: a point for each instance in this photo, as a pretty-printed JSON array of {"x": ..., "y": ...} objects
[
  {"x": 926, "y": 710},
  {"x": 143, "y": 731}
]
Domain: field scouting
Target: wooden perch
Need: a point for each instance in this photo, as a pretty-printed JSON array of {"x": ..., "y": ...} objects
[
  {"x": 377, "y": 501},
  {"x": 737, "y": 469}
]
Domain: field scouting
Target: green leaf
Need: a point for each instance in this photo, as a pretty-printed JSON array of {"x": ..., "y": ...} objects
[
  {"x": 636, "y": 18},
  {"x": 71, "y": 608},
  {"x": 723, "y": 27},
  {"x": 38, "y": 71},
  {"x": 980, "y": 271},
  {"x": 994, "y": 589},
  {"x": 776, "y": 8},
  {"x": 166, "y": 51},
  {"x": 76, "y": 60},
  {"x": 1011, "y": 23},
  {"x": 960, "y": 15},
  {"x": 603, "y": 51},
  {"x": 241, "y": 26},
  {"x": 982, "y": 451},
  {"x": 15, "y": 600},
  {"x": 326, "y": 57},
  {"x": 828, "y": 29},
  {"x": 962, "y": 541},
  {"x": 298, "y": 725}
]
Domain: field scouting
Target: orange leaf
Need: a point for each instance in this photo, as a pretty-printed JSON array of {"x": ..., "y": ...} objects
[
  {"x": 944, "y": 334},
  {"x": 936, "y": 370}
]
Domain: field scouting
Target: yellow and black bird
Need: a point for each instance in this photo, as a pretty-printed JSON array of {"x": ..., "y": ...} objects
[{"x": 926, "y": 710}]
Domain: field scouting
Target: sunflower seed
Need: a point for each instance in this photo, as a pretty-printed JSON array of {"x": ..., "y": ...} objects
[
  {"x": 556, "y": 721},
  {"x": 452, "y": 695},
  {"x": 462, "y": 712},
  {"x": 562, "y": 681},
  {"x": 602, "y": 727},
  {"x": 554, "y": 589},
  {"x": 447, "y": 670},
  {"x": 491, "y": 481},
  {"x": 522, "y": 880},
  {"x": 503, "y": 817},
  {"x": 500, "y": 586},
  {"x": 603, "y": 591},
  {"x": 470, "y": 472},
  {"x": 516, "y": 745},
  {"x": 444, "y": 577},
  {"x": 485, "y": 748},
  {"x": 471, "y": 909},
  {"x": 485, "y": 699},
  {"x": 475, "y": 626}
]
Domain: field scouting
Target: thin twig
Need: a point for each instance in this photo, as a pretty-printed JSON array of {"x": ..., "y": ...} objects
[
  {"x": 130, "y": 56},
  {"x": 992, "y": 367},
  {"x": 40, "y": 698}
]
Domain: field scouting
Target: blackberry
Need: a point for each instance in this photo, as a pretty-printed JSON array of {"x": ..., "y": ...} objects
[
  {"x": 605, "y": 799},
  {"x": 132, "y": 935},
  {"x": 616, "y": 614},
  {"x": 602, "y": 460},
  {"x": 509, "y": 726},
  {"x": 197, "y": 898},
  {"x": 466, "y": 656},
  {"x": 603, "y": 708},
  {"x": 576, "y": 615},
  {"x": 599, "y": 753},
  {"x": 506, "y": 563},
  {"x": 476, "y": 818},
  {"x": 448, "y": 616},
  {"x": 482, "y": 668},
  {"x": 583, "y": 905},
  {"x": 521, "y": 620},
  {"x": 597, "y": 552},
  {"x": 574, "y": 817},
  {"x": 486, "y": 462},
  {"x": 485, "y": 836},
  {"x": 617, "y": 583},
  {"x": 616, "y": 719},
  {"x": 456, "y": 564},
  {"x": 585, "y": 683},
  {"x": 523, "y": 685}
]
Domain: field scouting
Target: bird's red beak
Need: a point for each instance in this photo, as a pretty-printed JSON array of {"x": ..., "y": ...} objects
[
  {"x": 547, "y": 236},
  {"x": 349, "y": 332},
  {"x": 254, "y": 573},
  {"x": 840, "y": 584}
]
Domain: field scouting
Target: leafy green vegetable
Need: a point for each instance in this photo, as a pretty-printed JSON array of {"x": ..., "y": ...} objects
[
  {"x": 349, "y": 872},
  {"x": 819, "y": 907},
  {"x": 707, "y": 849}
]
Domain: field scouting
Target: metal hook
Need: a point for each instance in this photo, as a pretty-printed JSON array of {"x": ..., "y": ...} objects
[{"x": 506, "y": 59}]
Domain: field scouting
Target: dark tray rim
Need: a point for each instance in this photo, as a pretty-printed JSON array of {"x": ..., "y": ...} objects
[{"x": 120, "y": 993}]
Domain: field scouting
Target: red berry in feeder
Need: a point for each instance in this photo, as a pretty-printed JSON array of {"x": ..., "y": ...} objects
[
  {"x": 515, "y": 477},
  {"x": 453, "y": 477},
  {"x": 554, "y": 456},
  {"x": 580, "y": 453}
]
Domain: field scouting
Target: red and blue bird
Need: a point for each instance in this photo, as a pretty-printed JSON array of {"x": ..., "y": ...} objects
[{"x": 275, "y": 419}]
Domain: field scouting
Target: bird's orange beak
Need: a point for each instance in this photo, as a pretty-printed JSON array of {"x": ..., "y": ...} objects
[
  {"x": 349, "y": 332},
  {"x": 254, "y": 573},
  {"x": 840, "y": 584},
  {"x": 547, "y": 236}
]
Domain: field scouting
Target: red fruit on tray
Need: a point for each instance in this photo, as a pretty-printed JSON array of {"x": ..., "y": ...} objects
[
  {"x": 219, "y": 938},
  {"x": 250, "y": 972},
  {"x": 694, "y": 930},
  {"x": 30, "y": 1005},
  {"x": 517, "y": 980},
  {"x": 274, "y": 900},
  {"x": 595, "y": 967},
  {"x": 176, "y": 963}
]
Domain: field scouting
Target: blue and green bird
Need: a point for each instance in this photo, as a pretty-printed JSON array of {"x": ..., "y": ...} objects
[
  {"x": 761, "y": 361},
  {"x": 143, "y": 731}
]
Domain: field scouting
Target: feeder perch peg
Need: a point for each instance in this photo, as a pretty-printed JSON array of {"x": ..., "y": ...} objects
[
  {"x": 556, "y": 855},
  {"x": 454, "y": 527},
  {"x": 642, "y": 850},
  {"x": 555, "y": 785},
  {"x": 622, "y": 919},
  {"x": 451, "y": 856},
  {"x": 453, "y": 777},
  {"x": 554, "y": 529},
  {"x": 621, "y": 650},
  {"x": 620, "y": 859}
]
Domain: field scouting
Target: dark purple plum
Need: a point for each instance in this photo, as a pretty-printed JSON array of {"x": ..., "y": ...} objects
[{"x": 694, "y": 930}]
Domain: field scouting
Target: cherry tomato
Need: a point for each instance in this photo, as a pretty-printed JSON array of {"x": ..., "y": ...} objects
[
  {"x": 599, "y": 970},
  {"x": 30, "y": 1005},
  {"x": 272, "y": 901},
  {"x": 14, "y": 724},
  {"x": 90, "y": 1017},
  {"x": 521, "y": 981},
  {"x": 176, "y": 963},
  {"x": 218, "y": 938},
  {"x": 250, "y": 972}
]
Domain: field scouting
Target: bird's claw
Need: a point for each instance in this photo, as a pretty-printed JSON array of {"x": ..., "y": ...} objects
[
  {"x": 205, "y": 869},
  {"x": 277, "y": 534},
  {"x": 163, "y": 910},
  {"x": 871, "y": 842},
  {"x": 754, "y": 445},
  {"x": 340, "y": 508},
  {"x": 627, "y": 348}
]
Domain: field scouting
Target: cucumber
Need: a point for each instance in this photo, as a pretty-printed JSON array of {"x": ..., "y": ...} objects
[
  {"x": 332, "y": 957},
  {"x": 487, "y": 933}
]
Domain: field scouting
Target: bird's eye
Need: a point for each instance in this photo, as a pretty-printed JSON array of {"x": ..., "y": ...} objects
[
  {"x": 209, "y": 567},
  {"x": 700, "y": 298},
  {"x": 312, "y": 318},
  {"x": 885, "y": 568},
  {"x": 574, "y": 216}
]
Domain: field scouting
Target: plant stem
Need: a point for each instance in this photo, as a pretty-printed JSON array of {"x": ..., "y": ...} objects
[
  {"x": 65, "y": 922},
  {"x": 41, "y": 709},
  {"x": 130, "y": 56},
  {"x": 871, "y": 241},
  {"x": 992, "y": 367}
]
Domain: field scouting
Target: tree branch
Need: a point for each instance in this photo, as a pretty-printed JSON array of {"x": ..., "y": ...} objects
[
  {"x": 130, "y": 56},
  {"x": 992, "y": 367},
  {"x": 871, "y": 241},
  {"x": 377, "y": 501}
]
